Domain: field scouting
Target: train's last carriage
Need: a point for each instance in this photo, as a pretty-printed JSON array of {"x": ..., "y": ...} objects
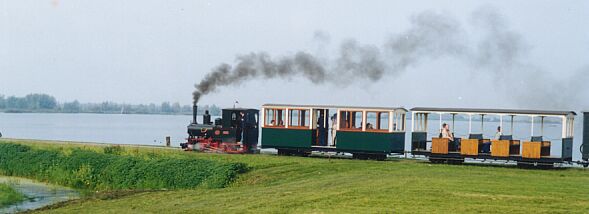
[
  {"x": 363, "y": 131},
  {"x": 450, "y": 146}
]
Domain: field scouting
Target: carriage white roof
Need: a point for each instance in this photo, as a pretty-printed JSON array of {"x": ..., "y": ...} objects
[
  {"x": 362, "y": 108},
  {"x": 494, "y": 111}
]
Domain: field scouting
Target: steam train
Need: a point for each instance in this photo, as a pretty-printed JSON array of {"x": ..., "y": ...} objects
[
  {"x": 235, "y": 132},
  {"x": 376, "y": 132}
]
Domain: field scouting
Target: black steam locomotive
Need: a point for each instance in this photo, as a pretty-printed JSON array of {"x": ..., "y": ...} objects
[{"x": 235, "y": 132}]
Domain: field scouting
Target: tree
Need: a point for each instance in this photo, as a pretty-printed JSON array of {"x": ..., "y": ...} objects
[
  {"x": 15, "y": 103},
  {"x": 176, "y": 107},
  {"x": 72, "y": 107},
  {"x": 45, "y": 101},
  {"x": 166, "y": 108}
]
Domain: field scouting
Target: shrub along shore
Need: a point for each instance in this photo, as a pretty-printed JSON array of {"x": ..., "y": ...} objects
[{"x": 109, "y": 170}]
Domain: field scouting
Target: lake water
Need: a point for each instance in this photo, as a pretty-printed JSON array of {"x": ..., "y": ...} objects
[
  {"x": 152, "y": 129},
  {"x": 101, "y": 128}
]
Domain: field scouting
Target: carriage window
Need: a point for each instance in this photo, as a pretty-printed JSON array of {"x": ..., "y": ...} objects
[
  {"x": 274, "y": 117},
  {"x": 371, "y": 121},
  {"x": 399, "y": 122},
  {"x": 298, "y": 118},
  {"x": 351, "y": 120},
  {"x": 377, "y": 121},
  {"x": 383, "y": 121}
]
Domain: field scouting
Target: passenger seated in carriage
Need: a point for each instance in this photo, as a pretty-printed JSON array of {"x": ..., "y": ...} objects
[
  {"x": 446, "y": 133},
  {"x": 487, "y": 145}
]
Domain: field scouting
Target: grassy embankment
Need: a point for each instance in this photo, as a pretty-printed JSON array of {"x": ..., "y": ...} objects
[
  {"x": 9, "y": 195},
  {"x": 110, "y": 170},
  {"x": 311, "y": 185}
]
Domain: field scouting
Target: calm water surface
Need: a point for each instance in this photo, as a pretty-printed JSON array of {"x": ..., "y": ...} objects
[
  {"x": 102, "y": 128},
  {"x": 38, "y": 194}
]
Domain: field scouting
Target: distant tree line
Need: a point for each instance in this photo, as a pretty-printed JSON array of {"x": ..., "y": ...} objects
[{"x": 48, "y": 103}]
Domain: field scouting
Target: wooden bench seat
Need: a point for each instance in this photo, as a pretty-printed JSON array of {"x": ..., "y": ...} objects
[
  {"x": 469, "y": 147},
  {"x": 500, "y": 148},
  {"x": 440, "y": 145},
  {"x": 536, "y": 149}
]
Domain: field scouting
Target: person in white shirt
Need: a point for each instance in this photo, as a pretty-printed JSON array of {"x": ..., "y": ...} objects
[
  {"x": 498, "y": 134},
  {"x": 487, "y": 145},
  {"x": 446, "y": 133}
]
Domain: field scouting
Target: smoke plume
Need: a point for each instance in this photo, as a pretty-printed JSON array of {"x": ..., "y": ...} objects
[
  {"x": 493, "y": 49},
  {"x": 354, "y": 60}
]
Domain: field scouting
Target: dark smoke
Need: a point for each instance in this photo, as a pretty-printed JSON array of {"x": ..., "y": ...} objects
[
  {"x": 431, "y": 35},
  {"x": 257, "y": 65},
  {"x": 354, "y": 61},
  {"x": 359, "y": 61},
  {"x": 494, "y": 50}
]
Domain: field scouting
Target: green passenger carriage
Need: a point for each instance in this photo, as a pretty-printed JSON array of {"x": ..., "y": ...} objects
[{"x": 366, "y": 132}]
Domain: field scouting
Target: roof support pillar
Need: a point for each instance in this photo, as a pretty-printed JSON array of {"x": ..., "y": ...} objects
[
  {"x": 512, "y": 116},
  {"x": 482, "y": 123},
  {"x": 453, "y": 121},
  {"x": 426, "y": 116},
  {"x": 541, "y": 125},
  {"x": 469, "y": 124},
  {"x": 412, "y": 121},
  {"x": 501, "y": 122},
  {"x": 565, "y": 129},
  {"x": 532, "y": 126},
  {"x": 440, "y": 122}
]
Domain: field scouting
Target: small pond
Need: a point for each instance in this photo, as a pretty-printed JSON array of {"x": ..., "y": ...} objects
[{"x": 39, "y": 194}]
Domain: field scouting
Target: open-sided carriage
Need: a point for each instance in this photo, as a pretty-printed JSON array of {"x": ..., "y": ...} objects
[{"x": 535, "y": 150}]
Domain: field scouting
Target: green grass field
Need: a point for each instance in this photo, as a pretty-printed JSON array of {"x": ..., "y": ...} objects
[
  {"x": 277, "y": 184},
  {"x": 9, "y": 195}
]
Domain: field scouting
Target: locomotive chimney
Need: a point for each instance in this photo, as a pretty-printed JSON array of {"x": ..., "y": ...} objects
[{"x": 194, "y": 112}]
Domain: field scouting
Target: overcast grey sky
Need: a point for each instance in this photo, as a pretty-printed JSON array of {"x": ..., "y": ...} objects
[{"x": 139, "y": 51}]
